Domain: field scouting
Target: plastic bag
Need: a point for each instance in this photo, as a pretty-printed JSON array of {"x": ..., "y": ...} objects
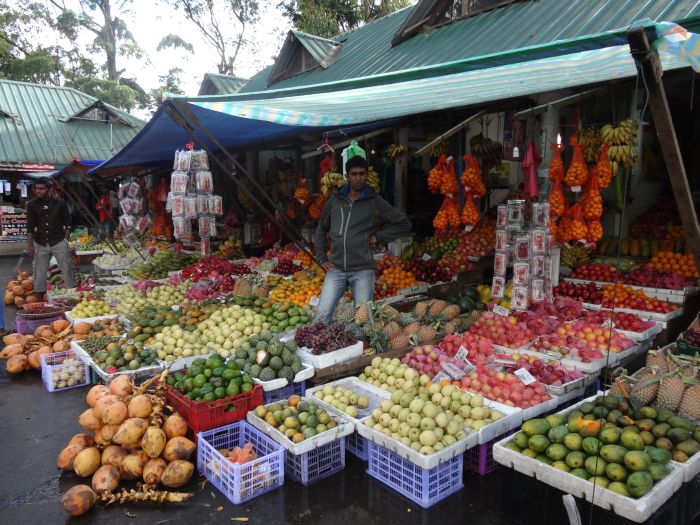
[
  {"x": 556, "y": 165},
  {"x": 178, "y": 182},
  {"x": 205, "y": 227},
  {"x": 470, "y": 213},
  {"x": 595, "y": 230},
  {"x": 183, "y": 161},
  {"x": 592, "y": 202},
  {"x": 448, "y": 185},
  {"x": 447, "y": 215},
  {"x": 435, "y": 175},
  {"x": 199, "y": 160},
  {"x": 603, "y": 169},
  {"x": 202, "y": 204},
  {"x": 216, "y": 205},
  {"x": 577, "y": 228},
  {"x": 182, "y": 228},
  {"x": 134, "y": 190},
  {"x": 126, "y": 222},
  {"x": 205, "y": 247},
  {"x": 205, "y": 183},
  {"x": 471, "y": 177},
  {"x": 354, "y": 150},
  {"x": 577, "y": 174},
  {"x": 178, "y": 205},
  {"x": 190, "y": 207},
  {"x": 143, "y": 223}
]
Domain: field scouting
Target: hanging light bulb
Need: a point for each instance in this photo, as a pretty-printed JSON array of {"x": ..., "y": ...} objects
[
  {"x": 516, "y": 152},
  {"x": 558, "y": 139}
]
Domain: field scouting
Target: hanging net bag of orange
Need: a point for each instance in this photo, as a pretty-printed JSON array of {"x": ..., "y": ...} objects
[
  {"x": 448, "y": 185},
  {"x": 595, "y": 230},
  {"x": 577, "y": 174},
  {"x": 302, "y": 193},
  {"x": 447, "y": 215},
  {"x": 592, "y": 202},
  {"x": 556, "y": 165},
  {"x": 470, "y": 213},
  {"x": 471, "y": 177},
  {"x": 317, "y": 206},
  {"x": 577, "y": 227},
  {"x": 557, "y": 201},
  {"x": 436, "y": 174},
  {"x": 602, "y": 171}
]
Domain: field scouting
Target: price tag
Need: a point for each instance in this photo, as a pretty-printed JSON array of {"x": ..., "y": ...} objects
[
  {"x": 503, "y": 361},
  {"x": 426, "y": 257},
  {"x": 314, "y": 301},
  {"x": 525, "y": 376},
  {"x": 441, "y": 376},
  {"x": 554, "y": 355},
  {"x": 296, "y": 262},
  {"x": 576, "y": 189},
  {"x": 499, "y": 310},
  {"x": 453, "y": 371},
  {"x": 468, "y": 228},
  {"x": 462, "y": 354}
]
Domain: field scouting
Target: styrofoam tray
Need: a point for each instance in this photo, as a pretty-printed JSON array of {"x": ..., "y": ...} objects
[
  {"x": 637, "y": 510},
  {"x": 690, "y": 468},
  {"x": 575, "y": 385},
  {"x": 663, "y": 294},
  {"x": 406, "y": 452},
  {"x": 90, "y": 320},
  {"x": 542, "y": 408},
  {"x": 108, "y": 378},
  {"x": 659, "y": 318},
  {"x": 647, "y": 334},
  {"x": 306, "y": 372},
  {"x": 373, "y": 394},
  {"x": 512, "y": 418},
  {"x": 329, "y": 359},
  {"x": 344, "y": 428},
  {"x": 572, "y": 364}
]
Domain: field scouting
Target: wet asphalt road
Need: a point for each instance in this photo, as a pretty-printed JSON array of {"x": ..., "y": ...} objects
[{"x": 37, "y": 424}]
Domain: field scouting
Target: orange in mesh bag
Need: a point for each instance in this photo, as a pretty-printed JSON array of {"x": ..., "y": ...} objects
[
  {"x": 557, "y": 202},
  {"x": 595, "y": 230},
  {"x": 447, "y": 215},
  {"x": 448, "y": 185},
  {"x": 470, "y": 213},
  {"x": 317, "y": 206},
  {"x": 602, "y": 171},
  {"x": 577, "y": 228},
  {"x": 471, "y": 177},
  {"x": 436, "y": 174},
  {"x": 577, "y": 174},
  {"x": 556, "y": 165},
  {"x": 592, "y": 202},
  {"x": 302, "y": 193}
]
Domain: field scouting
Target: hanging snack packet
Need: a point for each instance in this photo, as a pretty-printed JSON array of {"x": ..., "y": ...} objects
[
  {"x": 205, "y": 182},
  {"x": 202, "y": 204},
  {"x": 190, "y": 207},
  {"x": 216, "y": 205},
  {"x": 178, "y": 182}
]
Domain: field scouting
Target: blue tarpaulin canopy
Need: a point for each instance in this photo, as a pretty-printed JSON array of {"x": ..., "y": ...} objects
[{"x": 70, "y": 171}]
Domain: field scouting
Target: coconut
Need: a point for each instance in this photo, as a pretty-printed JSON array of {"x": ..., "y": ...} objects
[
  {"x": 95, "y": 394},
  {"x": 115, "y": 413},
  {"x": 59, "y": 326},
  {"x": 17, "y": 364},
  {"x": 153, "y": 471},
  {"x": 45, "y": 332},
  {"x": 177, "y": 473},
  {"x": 103, "y": 403},
  {"x": 132, "y": 465},
  {"x": 41, "y": 329},
  {"x": 82, "y": 328},
  {"x": 82, "y": 439},
  {"x": 19, "y": 301},
  {"x": 130, "y": 432},
  {"x": 10, "y": 351},
  {"x": 113, "y": 455},
  {"x": 87, "y": 462},
  {"x": 21, "y": 276},
  {"x": 33, "y": 359},
  {"x": 14, "y": 339},
  {"x": 61, "y": 346},
  {"x": 18, "y": 291},
  {"x": 9, "y": 298},
  {"x": 153, "y": 442},
  {"x": 89, "y": 421},
  {"x": 78, "y": 500},
  {"x": 32, "y": 298},
  {"x": 27, "y": 284},
  {"x": 121, "y": 386},
  {"x": 175, "y": 426},
  {"x": 140, "y": 406},
  {"x": 67, "y": 456},
  {"x": 178, "y": 448},
  {"x": 105, "y": 479}
]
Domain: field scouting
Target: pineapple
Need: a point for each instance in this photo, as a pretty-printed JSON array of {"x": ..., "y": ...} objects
[
  {"x": 446, "y": 329},
  {"x": 405, "y": 319},
  {"x": 670, "y": 392},
  {"x": 368, "y": 330},
  {"x": 645, "y": 388},
  {"x": 354, "y": 330},
  {"x": 427, "y": 334},
  {"x": 437, "y": 307},
  {"x": 656, "y": 359},
  {"x": 344, "y": 313},
  {"x": 411, "y": 328},
  {"x": 421, "y": 309},
  {"x": 450, "y": 312},
  {"x": 262, "y": 291},
  {"x": 392, "y": 329},
  {"x": 389, "y": 312},
  {"x": 620, "y": 387},
  {"x": 690, "y": 403},
  {"x": 362, "y": 314},
  {"x": 243, "y": 286},
  {"x": 400, "y": 342}
]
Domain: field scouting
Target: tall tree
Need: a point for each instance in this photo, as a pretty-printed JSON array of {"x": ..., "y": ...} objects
[
  {"x": 327, "y": 18},
  {"x": 223, "y": 25}
]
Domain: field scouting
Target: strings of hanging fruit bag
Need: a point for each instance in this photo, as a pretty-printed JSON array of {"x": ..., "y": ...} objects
[
  {"x": 474, "y": 188},
  {"x": 442, "y": 180}
]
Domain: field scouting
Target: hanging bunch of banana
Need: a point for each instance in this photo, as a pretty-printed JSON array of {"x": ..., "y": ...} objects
[
  {"x": 438, "y": 149},
  {"x": 591, "y": 141},
  {"x": 488, "y": 152},
  {"x": 373, "y": 179},
  {"x": 575, "y": 256},
  {"x": 394, "y": 151},
  {"x": 330, "y": 181},
  {"x": 244, "y": 196},
  {"x": 623, "y": 143}
]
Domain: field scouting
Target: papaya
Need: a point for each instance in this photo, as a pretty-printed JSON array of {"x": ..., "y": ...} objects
[
  {"x": 634, "y": 248},
  {"x": 625, "y": 247},
  {"x": 603, "y": 246},
  {"x": 536, "y": 426},
  {"x": 644, "y": 247}
]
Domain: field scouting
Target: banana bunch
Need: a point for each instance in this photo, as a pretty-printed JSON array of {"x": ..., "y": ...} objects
[
  {"x": 244, "y": 196},
  {"x": 373, "y": 179},
  {"x": 575, "y": 256},
  {"x": 488, "y": 152},
  {"x": 331, "y": 180},
  {"x": 439, "y": 149},
  {"x": 591, "y": 141},
  {"x": 394, "y": 151},
  {"x": 623, "y": 140}
]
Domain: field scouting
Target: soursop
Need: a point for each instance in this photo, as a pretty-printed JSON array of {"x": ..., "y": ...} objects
[
  {"x": 287, "y": 373},
  {"x": 276, "y": 363},
  {"x": 267, "y": 374},
  {"x": 255, "y": 370}
]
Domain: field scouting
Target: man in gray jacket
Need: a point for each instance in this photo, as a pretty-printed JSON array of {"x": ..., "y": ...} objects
[{"x": 352, "y": 219}]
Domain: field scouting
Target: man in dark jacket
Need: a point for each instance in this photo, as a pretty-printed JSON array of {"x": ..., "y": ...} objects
[
  {"x": 352, "y": 219},
  {"x": 48, "y": 231}
]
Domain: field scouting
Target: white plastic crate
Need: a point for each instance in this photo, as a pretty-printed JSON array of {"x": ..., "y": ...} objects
[
  {"x": 63, "y": 370},
  {"x": 329, "y": 359},
  {"x": 89, "y": 320}
]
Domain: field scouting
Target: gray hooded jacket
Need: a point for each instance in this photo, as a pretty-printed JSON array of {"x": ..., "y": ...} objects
[{"x": 349, "y": 226}]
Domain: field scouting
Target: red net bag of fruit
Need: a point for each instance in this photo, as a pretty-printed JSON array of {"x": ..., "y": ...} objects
[
  {"x": 435, "y": 175},
  {"x": 302, "y": 193},
  {"x": 448, "y": 185},
  {"x": 447, "y": 215},
  {"x": 578, "y": 229},
  {"x": 471, "y": 177},
  {"x": 595, "y": 230},
  {"x": 556, "y": 165},
  {"x": 577, "y": 174},
  {"x": 316, "y": 207},
  {"x": 592, "y": 202},
  {"x": 557, "y": 201},
  {"x": 602, "y": 171},
  {"x": 470, "y": 213},
  {"x": 564, "y": 233}
]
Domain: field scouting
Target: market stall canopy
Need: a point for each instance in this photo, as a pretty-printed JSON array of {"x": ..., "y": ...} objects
[
  {"x": 238, "y": 120},
  {"x": 71, "y": 171}
]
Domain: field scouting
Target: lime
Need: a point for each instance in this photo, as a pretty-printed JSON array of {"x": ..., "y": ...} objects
[
  {"x": 232, "y": 389},
  {"x": 199, "y": 381},
  {"x": 218, "y": 371},
  {"x": 246, "y": 387},
  {"x": 207, "y": 373},
  {"x": 220, "y": 392},
  {"x": 209, "y": 397},
  {"x": 189, "y": 385}
]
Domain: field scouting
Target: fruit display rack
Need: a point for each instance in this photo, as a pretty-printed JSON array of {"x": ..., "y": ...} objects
[
  {"x": 663, "y": 294},
  {"x": 139, "y": 375}
]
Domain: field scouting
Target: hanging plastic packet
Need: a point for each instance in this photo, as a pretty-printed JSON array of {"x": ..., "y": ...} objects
[
  {"x": 178, "y": 206},
  {"x": 126, "y": 222},
  {"x": 205, "y": 247},
  {"x": 176, "y": 159},
  {"x": 501, "y": 216},
  {"x": 190, "y": 207},
  {"x": 537, "y": 266},
  {"x": 182, "y": 228},
  {"x": 522, "y": 248},
  {"x": 521, "y": 273},
  {"x": 216, "y": 205},
  {"x": 498, "y": 285},
  {"x": 501, "y": 242},
  {"x": 540, "y": 214},
  {"x": 537, "y": 290},
  {"x": 121, "y": 191},
  {"x": 205, "y": 227},
  {"x": 213, "y": 230},
  {"x": 169, "y": 203},
  {"x": 199, "y": 160},
  {"x": 202, "y": 204},
  {"x": 178, "y": 182},
  {"x": 183, "y": 161},
  {"x": 143, "y": 223},
  {"x": 538, "y": 240},
  {"x": 134, "y": 190},
  {"x": 500, "y": 263},
  {"x": 519, "y": 301},
  {"x": 516, "y": 213},
  {"x": 205, "y": 183}
]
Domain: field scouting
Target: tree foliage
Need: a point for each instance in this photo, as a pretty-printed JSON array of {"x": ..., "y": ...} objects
[{"x": 328, "y": 18}]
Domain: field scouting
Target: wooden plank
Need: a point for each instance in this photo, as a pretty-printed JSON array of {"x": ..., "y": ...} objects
[{"x": 647, "y": 59}]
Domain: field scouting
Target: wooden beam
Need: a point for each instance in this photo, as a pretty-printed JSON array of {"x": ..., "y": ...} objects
[
  {"x": 449, "y": 133},
  {"x": 648, "y": 62}
]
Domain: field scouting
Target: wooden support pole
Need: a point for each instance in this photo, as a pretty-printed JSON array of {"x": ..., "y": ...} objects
[
  {"x": 648, "y": 62},
  {"x": 400, "y": 172}
]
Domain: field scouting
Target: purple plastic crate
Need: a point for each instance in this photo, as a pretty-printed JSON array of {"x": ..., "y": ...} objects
[
  {"x": 426, "y": 487},
  {"x": 55, "y": 371},
  {"x": 357, "y": 446},
  {"x": 317, "y": 464},
  {"x": 240, "y": 483},
  {"x": 284, "y": 393},
  {"x": 26, "y": 326},
  {"x": 479, "y": 459}
]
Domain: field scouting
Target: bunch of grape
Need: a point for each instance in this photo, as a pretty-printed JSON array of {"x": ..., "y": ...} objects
[
  {"x": 285, "y": 267},
  {"x": 321, "y": 338},
  {"x": 693, "y": 336}
]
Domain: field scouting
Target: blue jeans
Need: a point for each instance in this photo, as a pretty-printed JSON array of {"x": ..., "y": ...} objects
[{"x": 336, "y": 281}]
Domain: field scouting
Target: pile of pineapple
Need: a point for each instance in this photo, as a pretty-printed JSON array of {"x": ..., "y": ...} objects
[{"x": 386, "y": 329}]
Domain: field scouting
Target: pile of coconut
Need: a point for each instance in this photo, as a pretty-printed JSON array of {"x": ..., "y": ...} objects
[{"x": 20, "y": 291}]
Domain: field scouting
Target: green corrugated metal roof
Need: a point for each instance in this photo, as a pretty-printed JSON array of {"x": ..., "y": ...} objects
[
  {"x": 367, "y": 51},
  {"x": 40, "y": 128},
  {"x": 215, "y": 84},
  {"x": 323, "y": 50}
]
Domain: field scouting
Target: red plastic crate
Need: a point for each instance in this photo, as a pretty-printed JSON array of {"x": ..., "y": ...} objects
[
  {"x": 202, "y": 415},
  {"x": 27, "y": 326}
]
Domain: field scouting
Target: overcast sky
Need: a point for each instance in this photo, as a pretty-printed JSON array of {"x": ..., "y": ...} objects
[{"x": 149, "y": 21}]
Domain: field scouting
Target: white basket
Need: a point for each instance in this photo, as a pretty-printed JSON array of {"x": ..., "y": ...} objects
[
  {"x": 306, "y": 372},
  {"x": 344, "y": 428},
  {"x": 575, "y": 385},
  {"x": 373, "y": 394},
  {"x": 137, "y": 374},
  {"x": 342, "y": 355},
  {"x": 512, "y": 418},
  {"x": 90, "y": 320},
  {"x": 637, "y": 510},
  {"x": 51, "y": 363}
]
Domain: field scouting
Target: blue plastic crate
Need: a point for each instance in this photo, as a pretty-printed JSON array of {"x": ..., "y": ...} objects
[
  {"x": 357, "y": 446},
  {"x": 426, "y": 487},
  {"x": 284, "y": 393},
  {"x": 317, "y": 464},
  {"x": 240, "y": 483}
]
